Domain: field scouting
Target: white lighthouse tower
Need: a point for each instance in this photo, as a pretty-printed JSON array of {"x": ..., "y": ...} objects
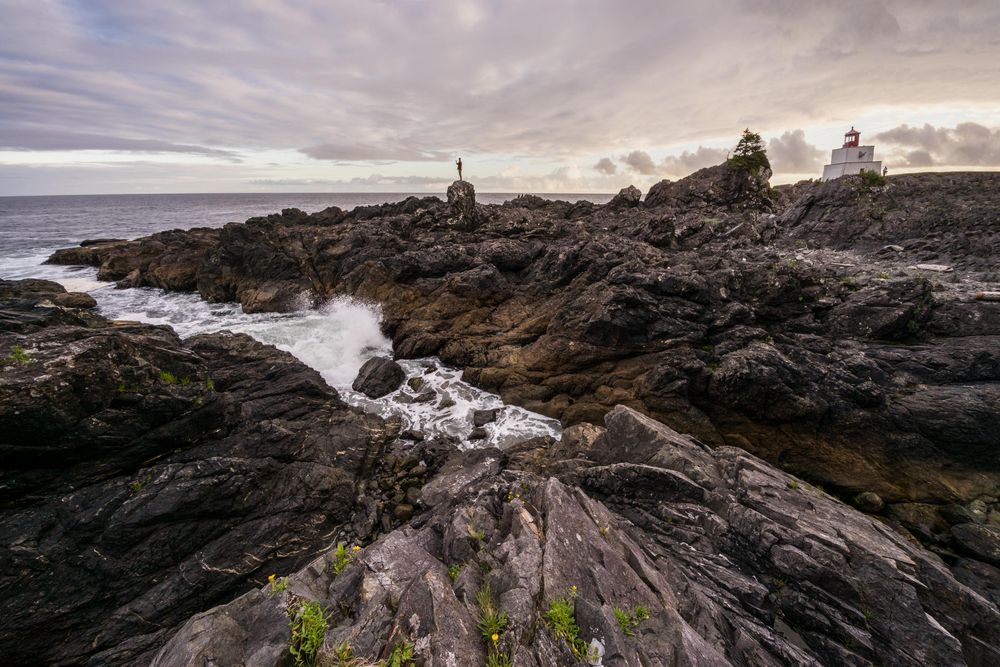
[{"x": 852, "y": 158}]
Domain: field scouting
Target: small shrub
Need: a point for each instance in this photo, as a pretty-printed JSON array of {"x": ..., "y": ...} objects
[
  {"x": 883, "y": 275},
  {"x": 872, "y": 179},
  {"x": 793, "y": 485},
  {"x": 17, "y": 357},
  {"x": 342, "y": 557},
  {"x": 276, "y": 585},
  {"x": 498, "y": 659},
  {"x": 475, "y": 533},
  {"x": 167, "y": 377},
  {"x": 561, "y": 616},
  {"x": 209, "y": 385},
  {"x": 401, "y": 656},
  {"x": 629, "y": 619},
  {"x": 492, "y": 621},
  {"x": 454, "y": 571},
  {"x": 185, "y": 381},
  {"x": 308, "y": 627}
]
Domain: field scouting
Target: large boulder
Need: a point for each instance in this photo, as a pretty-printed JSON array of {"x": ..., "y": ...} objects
[
  {"x": 462, "y": 200},
  {"x": 626, "y": 198},
  {"x": 378, "y": 377}
]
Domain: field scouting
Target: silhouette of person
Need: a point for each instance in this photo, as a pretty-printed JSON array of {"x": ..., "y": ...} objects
[
  {"x": 459, "y": 164},
  {"x": 885, "y": 171}
]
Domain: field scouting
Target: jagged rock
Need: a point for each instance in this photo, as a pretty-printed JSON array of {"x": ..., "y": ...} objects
[
  {"x": 869, "y": 502},
  {"x": 462, "y": 200},
  {"x": 34, "y": 291},
  {"x": 626, "y": 198},
  {"x": 378, "y": 377},
  {"x": 145, "y": 479},
  {"x": 722, "y": 306},
  {"x": 484, "y": 417},
  {"x": 736, "y": 562},
  {"x": 981, "y": 541}
]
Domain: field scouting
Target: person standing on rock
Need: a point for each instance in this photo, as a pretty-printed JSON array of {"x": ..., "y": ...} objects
[{"x": 459, "y": 165}]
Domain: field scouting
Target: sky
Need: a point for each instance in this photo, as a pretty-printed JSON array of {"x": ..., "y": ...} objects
[{"x": 571, "y": 96}]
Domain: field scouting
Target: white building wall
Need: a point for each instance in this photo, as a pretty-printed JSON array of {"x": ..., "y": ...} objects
[{"x": 851, "y": 161}]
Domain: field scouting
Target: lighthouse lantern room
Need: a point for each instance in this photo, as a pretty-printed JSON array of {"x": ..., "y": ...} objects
[{"x": 852, "y": 158}]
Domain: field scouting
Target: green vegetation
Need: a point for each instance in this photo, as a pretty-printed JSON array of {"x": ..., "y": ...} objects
[
  {"x": 793, "y": 485},
  {"x": 185, "y": 381},
  {"x": 308, "y": 627},
  {"x": 209, "y": 385},
  {"x": 454, "y": 571},
  {"x": 491, "y": 623},
  {"x": 561, "y": 617},
  {"x": 276, "y": 585},
  {"x": 139, "y": 483},
  {"x": 883, "y": 275},
  {"x": 750, "y": 155},
  {"x": 167, "y": 377},
  {"x": 401, "y": 656},
  {"x": 629, "y": 619},
  {"x": 871, "y": 179},
  {"x": 17, "y": 357},
  {"x": 474, "y": 532},
  {"x": 342, "y": 557}
]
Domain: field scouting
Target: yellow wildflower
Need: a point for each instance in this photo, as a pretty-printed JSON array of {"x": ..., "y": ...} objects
[
  {"x": 495, "y": 638},
  {"x": 271, "y": 578},
  {"x": 355, "y": 548}
]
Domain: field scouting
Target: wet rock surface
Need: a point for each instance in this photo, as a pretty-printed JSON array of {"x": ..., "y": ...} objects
[
  {"x": 379, "y": 376},
  {"x": 144, "y": 478},
  {"x": 787, "y": 321},
  {"x": 708, "y": 556}
]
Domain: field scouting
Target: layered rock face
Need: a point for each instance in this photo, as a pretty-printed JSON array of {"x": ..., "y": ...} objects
[
  {"x": 667, "y": 551},
  {"x": 771, "y": 319},
  {"x": 144, "y": 478}
]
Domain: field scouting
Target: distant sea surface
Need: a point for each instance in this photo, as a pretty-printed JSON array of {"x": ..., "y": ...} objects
[{"x": 335, "y": 339}]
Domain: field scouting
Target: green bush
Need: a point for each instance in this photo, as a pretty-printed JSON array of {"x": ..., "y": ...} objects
[
  {"x": 17, "y": 357},
  {"x": 872, "y": 179},
  {"x": 561, "y": 616},
  {"x": 308, "y": 627},
  {"x": 629, "y": 619}
]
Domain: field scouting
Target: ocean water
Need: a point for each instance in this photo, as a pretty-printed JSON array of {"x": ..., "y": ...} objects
[{"x": 335, "y": 339}]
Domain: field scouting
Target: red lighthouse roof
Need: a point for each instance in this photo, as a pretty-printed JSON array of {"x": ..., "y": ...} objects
[{"x": 852, "y": 138}]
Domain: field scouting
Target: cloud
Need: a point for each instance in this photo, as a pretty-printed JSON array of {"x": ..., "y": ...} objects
[
  {"x": 346, "y": 152},
  {"x": 55, "y": 140},
  {"x": 965, "y": 145},
  {"x": 606, "y": 166},
  {"x": 688, "y": 162},
  {"x": 512, "y": 80},
  {"x": 640, "y": 162},
  {"x": 790, "y": 153}
]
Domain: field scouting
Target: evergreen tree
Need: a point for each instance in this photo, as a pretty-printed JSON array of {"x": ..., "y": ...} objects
[{"x": 750, "y": 154}]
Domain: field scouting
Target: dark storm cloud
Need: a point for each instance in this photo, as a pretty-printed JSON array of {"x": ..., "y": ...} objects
[
  {"x": 966, "y": 144},
  {"x": 791, "y": 153},
  {"x": 606, "y": 166}
]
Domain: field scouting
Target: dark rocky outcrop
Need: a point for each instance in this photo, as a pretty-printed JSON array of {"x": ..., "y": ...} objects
[
  {"x": 736, "y": 562},
  {"x": 33, "y": 291},
  {"x": 767, "y": 318},
  {"x": 379, "y": 376},
  {"x": 144, "y": 478}
]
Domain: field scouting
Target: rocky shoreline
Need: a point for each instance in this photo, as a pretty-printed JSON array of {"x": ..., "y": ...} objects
[{"x": 794, "y": 331}]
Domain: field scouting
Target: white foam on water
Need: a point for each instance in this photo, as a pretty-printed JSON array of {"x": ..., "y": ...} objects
[{"x": 335, "y": 339}]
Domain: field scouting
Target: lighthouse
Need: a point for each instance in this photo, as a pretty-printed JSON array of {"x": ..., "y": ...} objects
[{"x": 851, "y": 158}]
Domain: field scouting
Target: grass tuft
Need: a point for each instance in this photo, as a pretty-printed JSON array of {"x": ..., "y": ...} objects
[{"x": 308, "y": 627}]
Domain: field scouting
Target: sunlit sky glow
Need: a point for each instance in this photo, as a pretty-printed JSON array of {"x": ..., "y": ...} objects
[{"x": 534, "y": 95}]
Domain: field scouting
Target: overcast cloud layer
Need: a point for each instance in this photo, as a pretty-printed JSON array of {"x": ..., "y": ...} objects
[{"x": 557, "y": 95}]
